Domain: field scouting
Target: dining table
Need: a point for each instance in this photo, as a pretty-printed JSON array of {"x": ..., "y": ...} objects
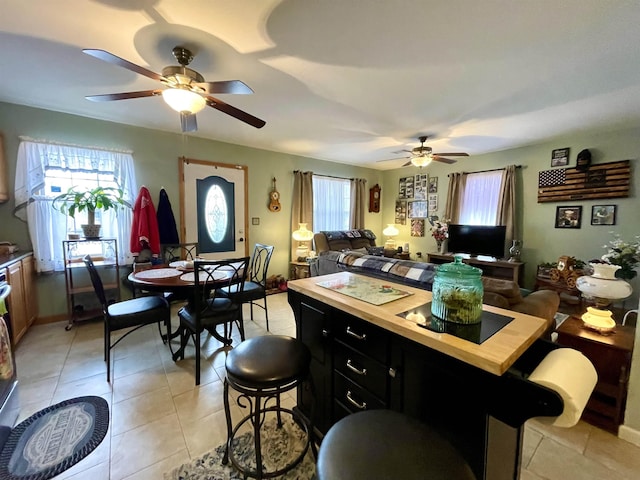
[{"x": 178, "y": 280}]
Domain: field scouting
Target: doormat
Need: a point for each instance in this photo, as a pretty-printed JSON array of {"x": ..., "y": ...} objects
[
  {"x": 54, "y": 439},
  {"x": 278, "y": 446}
]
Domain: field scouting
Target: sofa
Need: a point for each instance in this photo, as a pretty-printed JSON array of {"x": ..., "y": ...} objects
[
  {"x": 497, "y": 292},
  {"x": 344, "y": 240}
]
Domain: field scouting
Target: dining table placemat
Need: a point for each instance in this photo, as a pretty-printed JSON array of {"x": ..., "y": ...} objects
[
  {"x": 191, "y": 276},
  {"x": 376, "y": 292},
  {"x": 158, "y": 273}
]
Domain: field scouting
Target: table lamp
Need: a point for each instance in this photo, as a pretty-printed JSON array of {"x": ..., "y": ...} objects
[
  {"x": 603, "y": 287},
  {"x": 390, "y": 232},
  {"x": 302, "y": 235}
]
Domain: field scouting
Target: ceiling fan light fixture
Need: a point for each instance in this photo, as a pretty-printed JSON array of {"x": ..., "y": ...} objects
[
  {"x": 421, "y": 160},
  {"x": 183, "y": 100}
]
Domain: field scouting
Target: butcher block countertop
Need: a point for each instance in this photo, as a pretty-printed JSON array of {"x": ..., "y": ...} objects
[{"x": 494, "y": 355}]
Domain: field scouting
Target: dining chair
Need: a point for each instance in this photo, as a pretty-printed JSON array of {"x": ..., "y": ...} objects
[
  {"x": 209, "y": 307},
  {"x": 255, "y": 286},
  {"x": 136, "y": 313},
  {"x": 171, "y": 252}
]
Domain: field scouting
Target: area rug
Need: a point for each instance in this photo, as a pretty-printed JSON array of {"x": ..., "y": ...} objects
[
  {"x": 278, "y": 446},
  {"x": 54, "y": 439}
]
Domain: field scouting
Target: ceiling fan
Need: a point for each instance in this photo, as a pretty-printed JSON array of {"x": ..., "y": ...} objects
[
  {"x": 422, "y": 156},
  {"x": 186, "y": 91}
]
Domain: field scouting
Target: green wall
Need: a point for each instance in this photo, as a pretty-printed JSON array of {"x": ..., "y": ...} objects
[{"x": 156, "y": 156}]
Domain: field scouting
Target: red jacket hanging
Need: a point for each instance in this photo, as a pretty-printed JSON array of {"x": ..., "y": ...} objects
[{"x": 144, "y": 229}]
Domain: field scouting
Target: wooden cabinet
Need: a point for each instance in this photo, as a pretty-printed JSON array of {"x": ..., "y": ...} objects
[
  {"x": 490, "y": 268},
  {"x": 30, "y": 289},
  {"x": 81, "y": 298},
  {"x": 611, "y": 357},
  {"x": 17, "y": 303},
  {"x": 23, "y": 300}
]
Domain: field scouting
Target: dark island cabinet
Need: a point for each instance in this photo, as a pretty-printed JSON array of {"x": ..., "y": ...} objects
[{"x": 357, "y": 365}]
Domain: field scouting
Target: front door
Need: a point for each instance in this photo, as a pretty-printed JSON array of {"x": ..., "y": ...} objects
[{"x": 213, "y": 203}]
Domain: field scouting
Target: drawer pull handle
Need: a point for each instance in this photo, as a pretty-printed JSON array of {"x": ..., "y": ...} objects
[
  {"x": 355, "y": 403},
  {"x": 355, "y": 335},
  {"x": 355, "y": 369},
  {"x": 325, "y": 332}
]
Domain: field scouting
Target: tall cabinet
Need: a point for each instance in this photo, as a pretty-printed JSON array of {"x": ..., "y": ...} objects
[
  {"x": 23, "y": 300},
  {"x": 81, "y": 300}
]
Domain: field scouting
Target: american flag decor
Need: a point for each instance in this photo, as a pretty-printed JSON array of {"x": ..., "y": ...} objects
[{"x": 551, "y": 178}]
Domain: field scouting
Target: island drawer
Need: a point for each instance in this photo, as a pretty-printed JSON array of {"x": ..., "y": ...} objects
[
  {"x": 363, "y": 336},
  {"x": 361, "y": 369},
  {"x": 353, "y": 397}
]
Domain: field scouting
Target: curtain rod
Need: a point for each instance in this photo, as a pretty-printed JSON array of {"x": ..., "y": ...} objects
[
  {"x": 327, "y": 176},
  {"x": 490, "y": 170},
  {"x": 63, "y": 144}
]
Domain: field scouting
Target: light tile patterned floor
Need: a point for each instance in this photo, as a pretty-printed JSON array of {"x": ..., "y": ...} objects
[{"x": 161, "y": 420}]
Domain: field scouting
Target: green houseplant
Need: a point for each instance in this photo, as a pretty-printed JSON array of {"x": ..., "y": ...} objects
[{"x": 76, "y": 200}]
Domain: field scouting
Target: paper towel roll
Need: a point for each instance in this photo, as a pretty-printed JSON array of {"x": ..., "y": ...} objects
[{"x": 572, "y": 375}]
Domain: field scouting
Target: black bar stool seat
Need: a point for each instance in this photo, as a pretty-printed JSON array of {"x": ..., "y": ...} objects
[
  {"x": 387, "y": 445},
  {"x": 261, "y": 369}
]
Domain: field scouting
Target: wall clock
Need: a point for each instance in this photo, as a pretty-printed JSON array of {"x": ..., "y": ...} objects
[{"x": 374, "y": 198}]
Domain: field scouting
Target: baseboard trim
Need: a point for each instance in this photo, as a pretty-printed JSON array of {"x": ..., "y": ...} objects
[
  {"x": 629, "y": 434},
  {"x": 51, "y": 319}
]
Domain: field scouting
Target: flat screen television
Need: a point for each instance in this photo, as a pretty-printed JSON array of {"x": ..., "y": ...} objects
[{"x": 477, "y": 240}]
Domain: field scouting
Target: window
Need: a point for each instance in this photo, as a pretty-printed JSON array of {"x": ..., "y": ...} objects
[
  {"x": 45, "y": 170},
  {"x": 480, "y": 198},
  {"x": 331, "y": 203}
]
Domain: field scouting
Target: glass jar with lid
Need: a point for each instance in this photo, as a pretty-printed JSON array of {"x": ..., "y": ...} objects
[{"x": 457, "y": 293}]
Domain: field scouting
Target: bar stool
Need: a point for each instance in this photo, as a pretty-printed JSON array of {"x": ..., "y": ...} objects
[
  {"x": 261, "y": 369},
  {"x": 387, "y": 445}
]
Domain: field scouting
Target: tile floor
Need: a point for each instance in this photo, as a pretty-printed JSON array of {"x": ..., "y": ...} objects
[{"x": 161, "y": 420}]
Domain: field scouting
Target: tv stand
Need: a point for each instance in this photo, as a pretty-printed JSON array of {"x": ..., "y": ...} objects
[{"x": 490, "y": 267}]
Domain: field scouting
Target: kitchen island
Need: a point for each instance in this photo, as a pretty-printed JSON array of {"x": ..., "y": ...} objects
[{"x": 369, "y": 355}]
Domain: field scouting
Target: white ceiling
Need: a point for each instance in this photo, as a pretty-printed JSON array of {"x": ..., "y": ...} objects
[{"x": 351, "y": 81}]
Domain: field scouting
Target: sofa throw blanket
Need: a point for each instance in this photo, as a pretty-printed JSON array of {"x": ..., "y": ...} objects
[
  {"x": 349, "y": 234},
  {"x": 404, "y": 271}
]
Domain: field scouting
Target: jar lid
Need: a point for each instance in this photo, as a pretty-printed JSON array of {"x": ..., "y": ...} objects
[{"x": 458, "y": 268}]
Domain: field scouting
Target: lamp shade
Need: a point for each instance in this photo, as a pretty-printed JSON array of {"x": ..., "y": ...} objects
[
  {"x": 302, "y": 234},
  {"x": 183, "y": 100},
  {"x": 603, "y": 284},
  {"x": 421, "y": 160},
  {"x": 391, "y": 230}
]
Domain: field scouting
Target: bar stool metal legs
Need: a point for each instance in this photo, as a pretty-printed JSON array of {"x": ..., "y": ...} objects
[{"x": 261, "y": 369}]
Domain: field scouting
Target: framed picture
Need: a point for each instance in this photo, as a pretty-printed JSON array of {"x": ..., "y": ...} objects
[
  {"x": 433, "y": 184},
  {"x": 401, "y": 212},
  {"x": 405, "y": 187},
  {"x": 568, "y": 217},
  {"x": 560, "y": 157},
  {"x": 603, "y": 215},
  {"x": 417, "y": 209},
  {"x": 433, "y": 202},
  {"x": 417, "y": 227},
  {"x": 420, "y": 186}
]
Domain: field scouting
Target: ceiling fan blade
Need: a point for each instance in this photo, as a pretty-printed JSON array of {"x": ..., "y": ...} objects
[
  {"x": 188, "y": 122},
  {"x": 235, "y": 112},
  {"x": 455, "y": 154},
  {"x": 228, "y": 86},
  {"x": 438, "y": 158},
  {"x": 401, "y": 151},
  {"x": 122, "y": 96},
  {"x": 407, "y": 164},
  {"x": 121, "y": 62}
]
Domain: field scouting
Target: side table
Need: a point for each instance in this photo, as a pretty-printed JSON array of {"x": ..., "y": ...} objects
[
  {"x": 299, "y": 270},
  {"x": 611, "y": 357}
]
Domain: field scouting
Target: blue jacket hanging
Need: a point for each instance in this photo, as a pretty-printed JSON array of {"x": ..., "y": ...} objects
[{"x": 166, "y": 220}]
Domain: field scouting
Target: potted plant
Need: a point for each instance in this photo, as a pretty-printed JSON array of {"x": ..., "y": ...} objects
[{"x": 77, "y": 200}]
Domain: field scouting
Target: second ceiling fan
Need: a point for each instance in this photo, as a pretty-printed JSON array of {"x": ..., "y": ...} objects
[
  {"x": 186, "y": 91},
  {"x": 422, "y": 156}
]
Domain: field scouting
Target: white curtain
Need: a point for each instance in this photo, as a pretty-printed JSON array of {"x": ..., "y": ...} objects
[
  {"x": 47, "y": 226},
  {"x": 331, "y": 203},
  {"x": 480, "y": 200}
]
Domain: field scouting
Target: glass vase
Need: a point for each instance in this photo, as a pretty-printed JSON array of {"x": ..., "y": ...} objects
[{"x": 457, "y": 293}]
